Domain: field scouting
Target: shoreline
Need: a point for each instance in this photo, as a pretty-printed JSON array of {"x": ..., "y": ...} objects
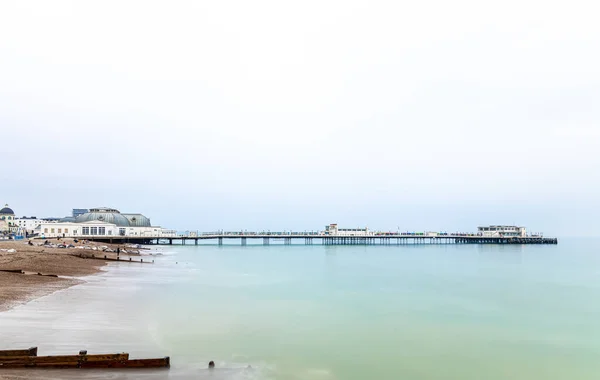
[{"x": 46, "y": 270}]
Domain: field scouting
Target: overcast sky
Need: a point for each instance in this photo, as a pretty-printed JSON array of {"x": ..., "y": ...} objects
[{"x": 436, "y": 115}]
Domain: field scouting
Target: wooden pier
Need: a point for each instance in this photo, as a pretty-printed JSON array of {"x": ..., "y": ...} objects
[{"x": 314, "y": 238}]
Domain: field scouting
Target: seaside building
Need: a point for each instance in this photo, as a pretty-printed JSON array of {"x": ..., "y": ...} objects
[
  {"x": 28, "y": 224},
  {"x": 334, "y": 230},
  {"x": 500, "y": 231},
  {"x": 137, "y": 220},
  {"x": 79, "y": 211},
  {"x": 102, "y": 221},
  {"x": 7, "y": 214},
  {"x": 7, "y": 218},
  {"x": 104, "y": 214}
]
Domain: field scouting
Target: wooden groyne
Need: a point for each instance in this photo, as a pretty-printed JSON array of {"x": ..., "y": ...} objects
[
  {"x": 29, "y": 359},
  {"x": 10, "y": 353},
  {"x": 21, "y": 271},
  {"x": 118, "y": 258}
]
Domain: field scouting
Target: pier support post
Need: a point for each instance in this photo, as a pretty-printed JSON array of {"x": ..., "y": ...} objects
[
  {"x": 243, "y": 241},
  {"x": 220, "y": 241}
]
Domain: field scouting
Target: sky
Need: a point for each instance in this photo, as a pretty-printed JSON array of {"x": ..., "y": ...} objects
[{"x": 411, "y": 115}]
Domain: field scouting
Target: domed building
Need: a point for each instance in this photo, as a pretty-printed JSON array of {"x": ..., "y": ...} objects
[
  {"x": 137, "y": 220},
  {"x": 102, "y": 223},
  {"x": 7, "y": 213},
  {"x": 7, "y": 218},
  {"x": 105, "y": 215}
]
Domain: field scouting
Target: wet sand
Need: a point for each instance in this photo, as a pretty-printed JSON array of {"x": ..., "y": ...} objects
[
  {"x": 66, "y": 263},
  {"x": 95, "y": 315}
]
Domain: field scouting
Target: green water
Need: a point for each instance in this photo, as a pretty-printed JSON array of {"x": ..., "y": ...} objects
[{"x": 338, "y": 312}]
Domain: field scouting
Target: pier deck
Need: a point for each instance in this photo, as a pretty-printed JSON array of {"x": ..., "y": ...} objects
[{"x": 310, "y": 239}]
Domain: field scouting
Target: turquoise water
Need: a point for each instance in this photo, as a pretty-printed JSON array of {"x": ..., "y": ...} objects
[{"x": 336, "y": 312}]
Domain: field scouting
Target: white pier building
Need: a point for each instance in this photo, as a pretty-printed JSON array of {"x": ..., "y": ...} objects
[
  {"x": 334, "y": 230},
  {"x": 502, "y": 231}
]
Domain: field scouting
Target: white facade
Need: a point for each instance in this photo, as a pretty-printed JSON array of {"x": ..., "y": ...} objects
[
  {"x": 98, "y": 229},
  {"x": 167, "y": 233},
  {"x": 7, "y": 219},
  {"x": 74, "y": 230},
  {"x": 502, "y": 231},
  {"x": 30, "y": 224},
  {"x": 148, "y": 232},
  {"x": 333, "y": 230}
]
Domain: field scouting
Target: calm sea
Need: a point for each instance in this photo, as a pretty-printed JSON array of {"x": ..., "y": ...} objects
[{"x": 333, "y": 312}]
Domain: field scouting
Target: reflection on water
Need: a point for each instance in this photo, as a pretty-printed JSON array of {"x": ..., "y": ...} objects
[
  {"x": 350, "y": 312},
  {"x": 175, "y": 373}
]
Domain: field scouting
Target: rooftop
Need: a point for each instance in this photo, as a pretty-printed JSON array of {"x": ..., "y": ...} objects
[{"x": 7, "y": 210}]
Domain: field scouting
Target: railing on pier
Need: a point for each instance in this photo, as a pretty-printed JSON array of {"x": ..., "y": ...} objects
[{"x": 371, "y": 238}]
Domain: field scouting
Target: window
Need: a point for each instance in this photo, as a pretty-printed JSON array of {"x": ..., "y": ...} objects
[
  {"x": 52, "y": 230},
  {"x": 101, "y": 230},
  {"x": 74, "y": 232},
  {"x": 110, "y": 232},
  {"x": 66, "y": 230},
  {"x": 94, "y": 231},
  {"x": 60, "y": 230},
  {"x": 45, "y": 230},
  {"x": 85, "y": 230},
  {"x": 122, "y": 231}
]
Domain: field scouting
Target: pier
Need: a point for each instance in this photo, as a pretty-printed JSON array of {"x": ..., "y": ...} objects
[{"x": 310, "y": 238}]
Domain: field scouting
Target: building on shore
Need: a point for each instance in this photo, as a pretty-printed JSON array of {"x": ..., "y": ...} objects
[
  {"x": 25, "y": 225},
  {"x": 28, "y": 224},
  {"x": 102, "y": 222},
  {"x": 78, "y": 211},
  {"x": 7, "y": 219},
  {"x": 502, "y": 231}
]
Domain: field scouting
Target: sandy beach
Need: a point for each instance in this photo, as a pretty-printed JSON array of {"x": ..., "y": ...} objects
[{"x": 41, "y": 264}]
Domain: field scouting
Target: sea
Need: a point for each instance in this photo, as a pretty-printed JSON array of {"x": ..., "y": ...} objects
[{"x": 422, "y": 312}]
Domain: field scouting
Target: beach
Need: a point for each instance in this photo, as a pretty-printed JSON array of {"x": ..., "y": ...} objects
[{"x": 40, "y": 263}]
